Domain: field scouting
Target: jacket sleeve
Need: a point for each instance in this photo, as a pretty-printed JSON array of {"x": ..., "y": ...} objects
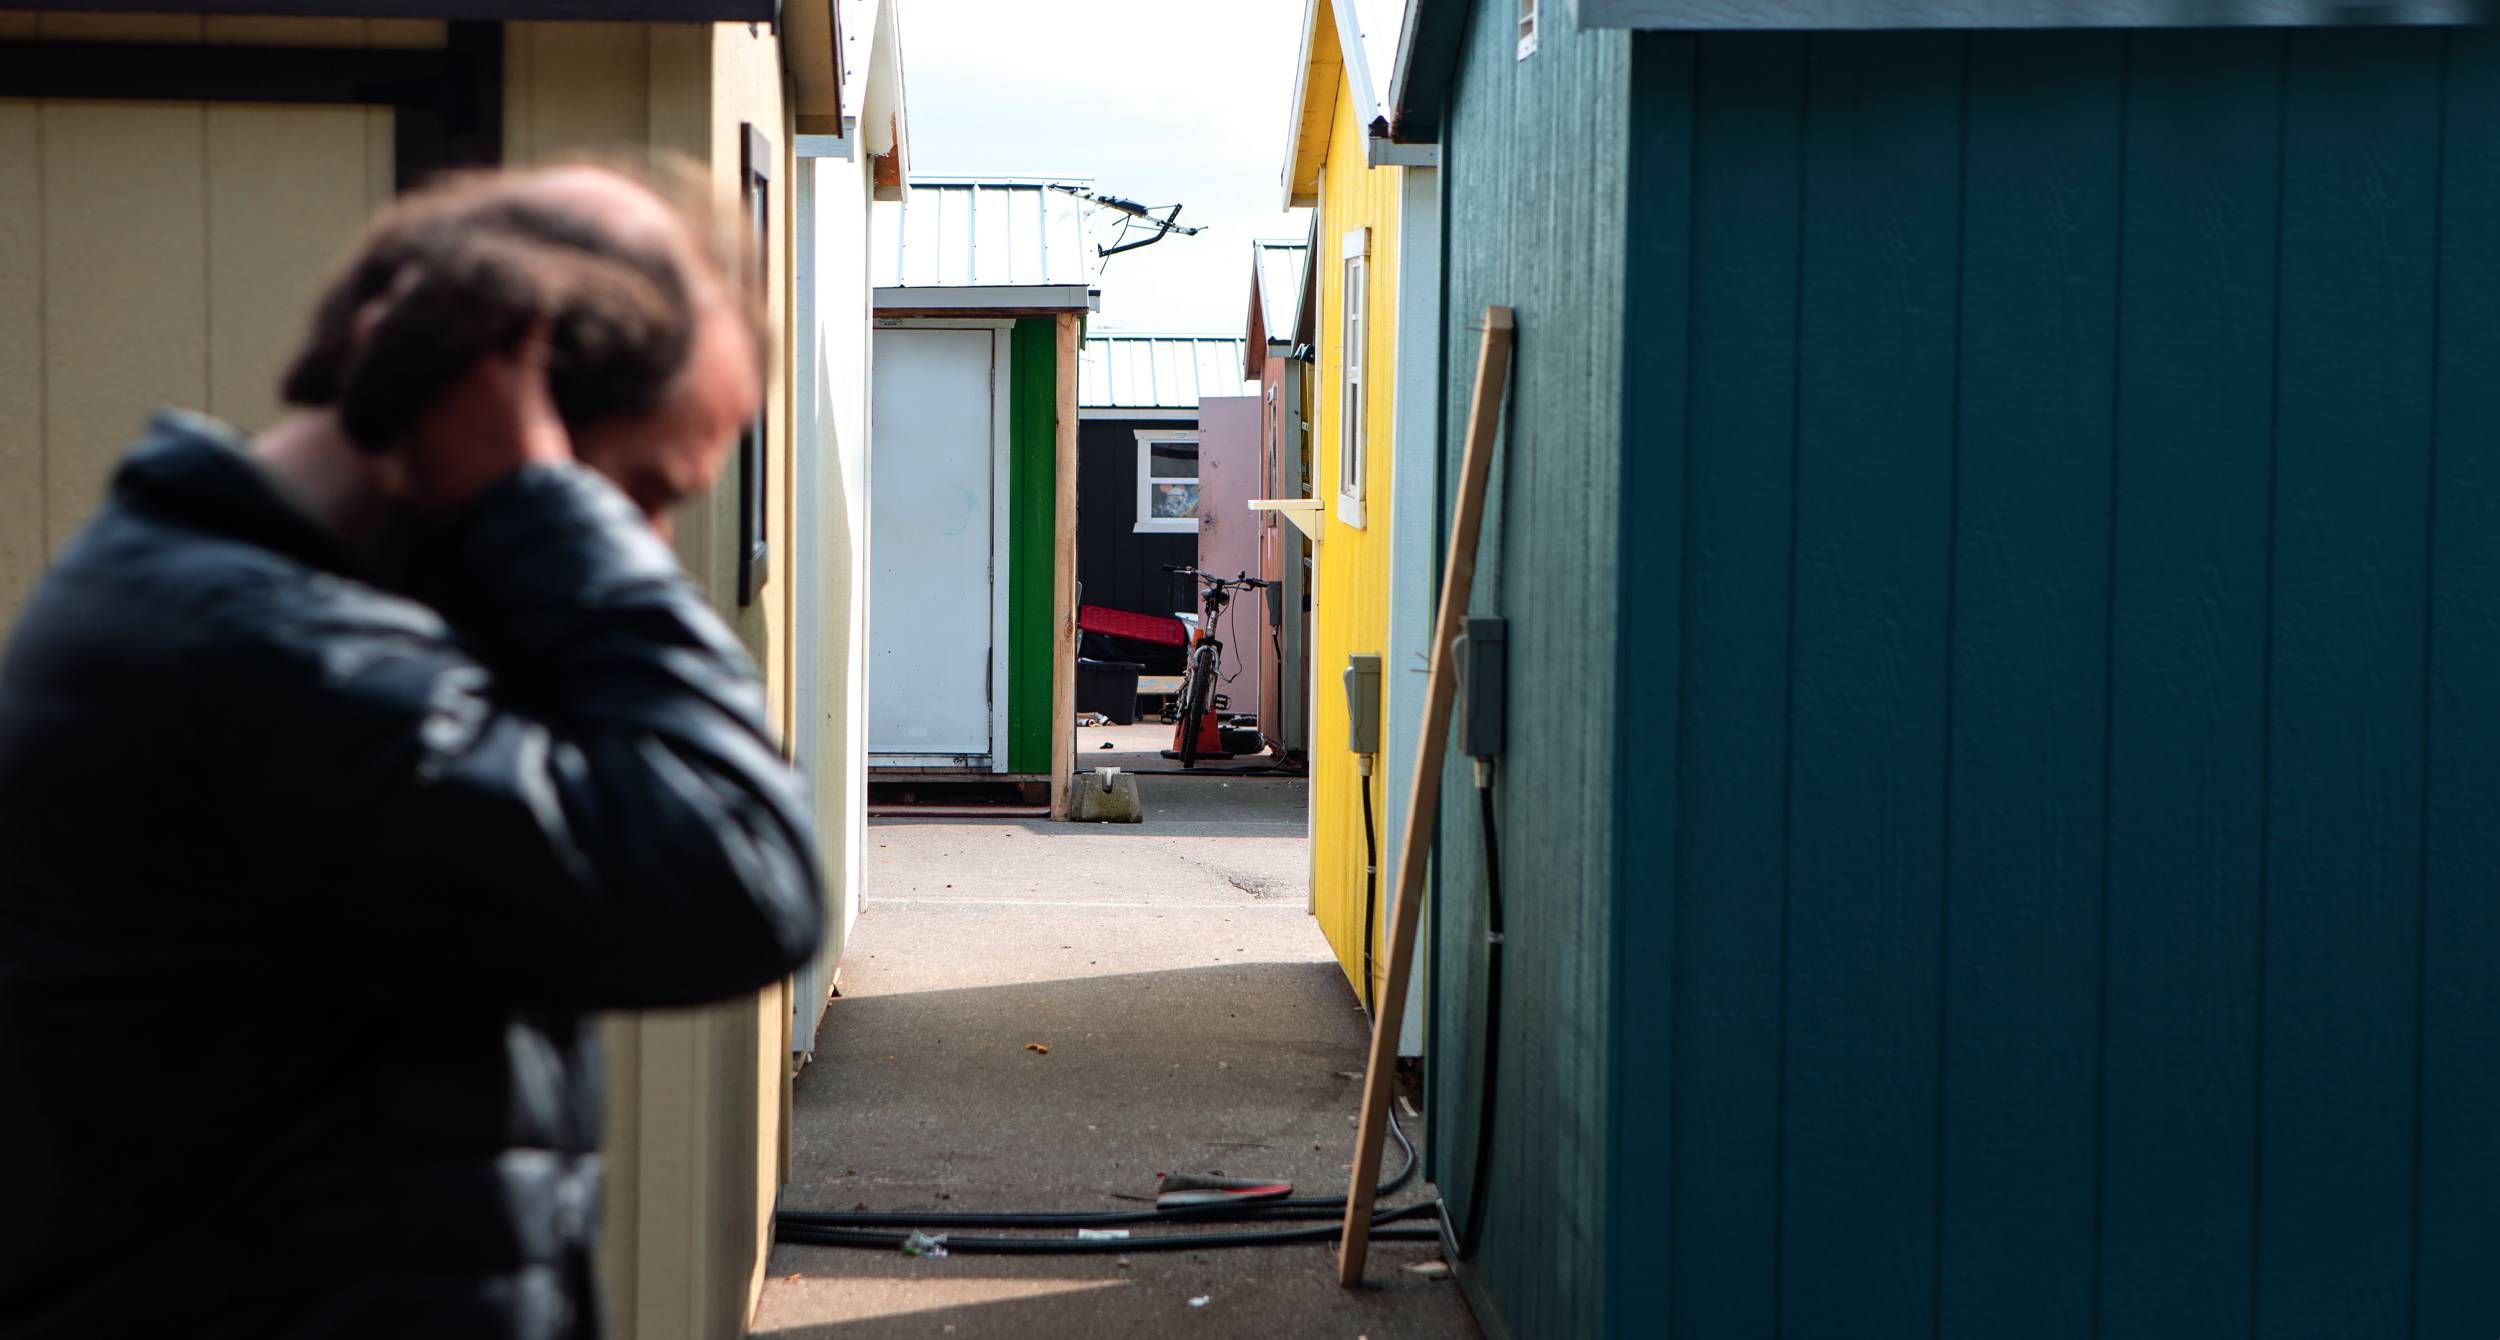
[{"x": 571, "y": 802}]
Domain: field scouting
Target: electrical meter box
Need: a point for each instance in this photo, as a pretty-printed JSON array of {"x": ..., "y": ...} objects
[{"x": 1362, "y": 704}]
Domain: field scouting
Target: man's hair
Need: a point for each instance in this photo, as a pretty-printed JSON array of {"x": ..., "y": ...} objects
[{"x": 465, "y": 268}]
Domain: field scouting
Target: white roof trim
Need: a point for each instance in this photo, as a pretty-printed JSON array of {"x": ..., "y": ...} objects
[
  {"x": 1358, "y": 70},
  {"x": 1070, "y": 297},
  {"x": 1163, "y": 414}
]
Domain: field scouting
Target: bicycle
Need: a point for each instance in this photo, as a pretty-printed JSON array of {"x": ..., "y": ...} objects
[{"x": 1199, "y": 675}]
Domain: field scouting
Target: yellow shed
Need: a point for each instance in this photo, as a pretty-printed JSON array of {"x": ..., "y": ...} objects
[
  {"x": 1355, "y": 257},
  {"x": 172, "y": 185}
]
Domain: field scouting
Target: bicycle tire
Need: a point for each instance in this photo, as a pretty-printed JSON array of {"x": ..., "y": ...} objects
[{"x": 1200, "y": 692}]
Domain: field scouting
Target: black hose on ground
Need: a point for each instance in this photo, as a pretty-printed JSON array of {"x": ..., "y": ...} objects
[
  {"x": 891, "y": 1229},
  {"x": 1158, "y": 1242},
  {"x": 1303, "y": 1208}
]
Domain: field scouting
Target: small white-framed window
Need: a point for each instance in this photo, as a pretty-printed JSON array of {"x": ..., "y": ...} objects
[
  {"x": 1167, "y": 480},
  {"x": 1352, "y": 404},
  {"x": 1527, "y": 28}
]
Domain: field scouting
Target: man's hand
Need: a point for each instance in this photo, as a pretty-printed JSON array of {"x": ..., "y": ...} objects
[{"x": 488, "y": 422}]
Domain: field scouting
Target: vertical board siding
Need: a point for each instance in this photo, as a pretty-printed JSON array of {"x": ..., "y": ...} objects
[
  {"x": 156, "y": 253},
  {"x": 2457, "y": 1162},
  {"x": 1350, "y": 566},
  {"x": 124, "y": 185},
  {"x": 1731, "y": 818},
  {"x": 1032, "y": 537},
  {"x": 1116, "y": 565},
  {"x": 1641, "y": 1126},
  {"x": 1870, "y": 680},
  {"x": 2068, "y": 908},
  {"x": 2344, "y": 736},
  {"x": 24, "y": 548},
  {"x": 2021, "y": 938},
  {"x": 1536, "y": 222},
  {"x": 2195, "y": 387}
]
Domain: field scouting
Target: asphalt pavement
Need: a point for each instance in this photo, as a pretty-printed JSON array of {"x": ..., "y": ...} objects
[{"x": 1044, "y": 1015}]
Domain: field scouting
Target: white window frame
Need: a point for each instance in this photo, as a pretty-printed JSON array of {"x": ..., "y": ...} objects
[
  {"x": 1353, "y": 396},
  {"x": 1147, "y": 522},
  {"x": 1527, "y": 28}
]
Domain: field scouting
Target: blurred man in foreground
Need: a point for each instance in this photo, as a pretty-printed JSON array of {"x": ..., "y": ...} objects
[{"x": 345, "y": 770}]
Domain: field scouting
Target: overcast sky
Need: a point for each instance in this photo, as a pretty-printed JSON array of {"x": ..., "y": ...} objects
[{"x": 1159, "y": 101}]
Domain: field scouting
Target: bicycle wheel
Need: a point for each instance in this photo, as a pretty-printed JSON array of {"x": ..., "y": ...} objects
[{"x": 1197, "y": 694}]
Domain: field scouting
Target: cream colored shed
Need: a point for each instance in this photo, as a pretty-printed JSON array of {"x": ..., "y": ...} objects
[{"x": 173, "y": 185}]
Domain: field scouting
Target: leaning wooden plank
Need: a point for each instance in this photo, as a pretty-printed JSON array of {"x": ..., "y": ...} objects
[
  {"x": 1484, "y": 417},
  {"x": 1063, "y": 570}
]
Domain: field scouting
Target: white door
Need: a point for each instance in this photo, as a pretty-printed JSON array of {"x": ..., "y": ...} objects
[{"x": 938, "y": 444}]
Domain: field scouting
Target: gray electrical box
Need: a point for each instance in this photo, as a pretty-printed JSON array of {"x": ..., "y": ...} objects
[
  {"x": 1362, "y": 704},
  {"x": 1483, "y": 674}
]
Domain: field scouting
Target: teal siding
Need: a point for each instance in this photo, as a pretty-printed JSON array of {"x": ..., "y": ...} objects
[
  {"x": 2457, "y": 1159},
  {"x": 2048, "y": 743},
  {"x": 1547, "y": 566},
  {"x": 2187, "y": 670},
  {"x": 2101, "y": 713}
]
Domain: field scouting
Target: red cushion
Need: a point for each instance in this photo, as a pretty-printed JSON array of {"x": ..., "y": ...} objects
[{"x": 1161, "y": 630}]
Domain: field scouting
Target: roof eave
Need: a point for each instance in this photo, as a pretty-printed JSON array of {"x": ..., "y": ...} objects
[
  {"x": 1427, "y": 62},
  {"x": 1295, "y": 172},
  {"x": 967, "y": 299}
]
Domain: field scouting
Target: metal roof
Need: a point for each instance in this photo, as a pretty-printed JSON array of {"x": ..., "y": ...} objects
[
  {"x": 997, "y": 242},
  {"x": 1117, "y": 370},
  {"x": 1276, "y": 275}
]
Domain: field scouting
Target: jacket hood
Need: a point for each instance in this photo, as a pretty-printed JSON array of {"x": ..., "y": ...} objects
[{"x": 196, "y": 472}]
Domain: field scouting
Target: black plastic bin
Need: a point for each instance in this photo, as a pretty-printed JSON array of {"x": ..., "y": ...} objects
[{"x": 1108, "y": 688}]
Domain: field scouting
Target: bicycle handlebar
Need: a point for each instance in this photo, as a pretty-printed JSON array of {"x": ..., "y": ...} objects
[{"x": 1242, "y": 580}]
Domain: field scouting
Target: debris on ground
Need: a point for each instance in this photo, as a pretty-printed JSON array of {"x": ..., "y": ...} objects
[
  {"x": 1037, "y": 1048},
  {"x": 1100, "y": 1234},
  {"x": 1201, "y": 1300},
  {"x": 922, "y": 1245},
  {"x": 1431, "y": 1270}
]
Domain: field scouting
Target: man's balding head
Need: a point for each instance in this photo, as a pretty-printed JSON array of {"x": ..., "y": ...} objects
[{"x": 620, "y": 269}]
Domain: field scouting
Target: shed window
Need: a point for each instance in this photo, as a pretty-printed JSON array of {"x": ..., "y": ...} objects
[
  {"x": 1167, "y": 480},
  {"x": 1527, "y": 28},
  {"x": 755, "y": 188},
  {"x": 1351, "y": 403}
]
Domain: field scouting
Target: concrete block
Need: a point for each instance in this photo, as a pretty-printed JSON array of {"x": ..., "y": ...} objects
[{"x": 1106, "y": 796}]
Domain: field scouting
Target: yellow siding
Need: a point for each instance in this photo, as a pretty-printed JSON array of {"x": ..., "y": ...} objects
[
  {"x": 158, "y": 253},
  {"x": 1350, "y": 585},
  {"x": 696, "y": 1138}
]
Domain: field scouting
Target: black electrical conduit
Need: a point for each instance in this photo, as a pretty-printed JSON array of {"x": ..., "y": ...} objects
[
  {"x": 889, "y": 1230},
  {"x": 1472, "y": 1231},
  {"x": 1371, "y": 883}
]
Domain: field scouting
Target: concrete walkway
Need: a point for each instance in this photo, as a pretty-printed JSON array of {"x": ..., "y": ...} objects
[{"x": 1195, "y": 1022}]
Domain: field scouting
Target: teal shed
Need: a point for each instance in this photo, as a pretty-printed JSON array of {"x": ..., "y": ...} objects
[{"x": 1998, "y": 521}]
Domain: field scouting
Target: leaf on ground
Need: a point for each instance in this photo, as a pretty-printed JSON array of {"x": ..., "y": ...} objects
[{"x": 1037, "y": 1048}]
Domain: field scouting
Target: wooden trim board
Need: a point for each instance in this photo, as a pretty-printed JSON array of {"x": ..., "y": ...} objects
[
  {"x": 1458, "y": 583},
  {"x": 1063, "y": 575}
]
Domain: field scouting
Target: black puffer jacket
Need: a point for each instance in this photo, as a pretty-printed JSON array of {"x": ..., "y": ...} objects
[{"x": 306, "y": 891}]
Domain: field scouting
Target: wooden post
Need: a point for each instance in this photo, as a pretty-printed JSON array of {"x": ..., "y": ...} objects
[
  {"x": 1063, "y": 575},
  {"x": 1458, "y": 581}
]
